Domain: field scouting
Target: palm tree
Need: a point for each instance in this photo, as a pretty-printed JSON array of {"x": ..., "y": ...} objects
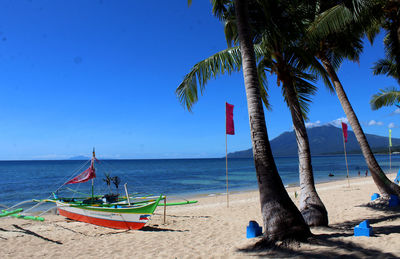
[
  {"x": 334, "y": 41},
  {"x": 280, "y": 27},
  {"x": 281, "y": 218},
  {"x": 108, "y": 180},
  {"x": 388, "y": 18},
  {"x": 389, "y": 96},
  {"x": 277, "y": 53}
]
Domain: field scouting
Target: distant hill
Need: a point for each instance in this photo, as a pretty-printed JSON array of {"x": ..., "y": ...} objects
[
  {"x": 324, "y": 140},
  {"x": 79, "y": 158}
]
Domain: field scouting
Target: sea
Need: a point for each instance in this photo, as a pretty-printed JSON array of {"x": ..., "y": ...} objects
[{"x": 176, "y": 178}]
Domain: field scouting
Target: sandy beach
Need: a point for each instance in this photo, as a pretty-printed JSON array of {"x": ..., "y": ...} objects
[{"x": 209, "y": 229}]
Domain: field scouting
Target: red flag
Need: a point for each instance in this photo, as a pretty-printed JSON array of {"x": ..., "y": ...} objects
[
  {"x": 230, "y": 128},
  {"x": 344, "y": 128},
  {"x": 84, "y": 176}
]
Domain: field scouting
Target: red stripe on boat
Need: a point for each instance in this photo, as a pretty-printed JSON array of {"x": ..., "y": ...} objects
[{"x": 101, "y": 222}]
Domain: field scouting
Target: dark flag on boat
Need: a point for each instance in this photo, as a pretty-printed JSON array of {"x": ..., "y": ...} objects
[
  {"x": 84, "y": 176},
  {"x": 230, "y": 128},
  {"x": 344, "y": 128}
]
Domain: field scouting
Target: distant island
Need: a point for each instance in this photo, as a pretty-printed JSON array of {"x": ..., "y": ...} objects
[
  {"x": 79, "y": 158},
  {"x": 324, "y": 140}
]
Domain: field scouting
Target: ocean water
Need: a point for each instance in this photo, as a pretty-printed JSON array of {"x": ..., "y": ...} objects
[{"x": 24, "y": 180}]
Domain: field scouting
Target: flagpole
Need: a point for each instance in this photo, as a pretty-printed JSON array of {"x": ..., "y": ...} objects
[
  {"x": 229, "y": 130},
  {"x": 226, "y": 158},
  {"x": 345, "y": 157},
  {"x": 390, "y": 153}
]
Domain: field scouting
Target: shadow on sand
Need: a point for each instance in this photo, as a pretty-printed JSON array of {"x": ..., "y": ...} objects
[
  {"x": 330, "y": 246},
  {"x": 156, "y": 228},
  {"x": 29, "y": 232}
]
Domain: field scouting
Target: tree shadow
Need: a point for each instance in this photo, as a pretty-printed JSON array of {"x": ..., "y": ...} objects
[
  {"x": 331, "y": 248},
  {"x": 183, "y": 216},
  {"x": 4, "y": 230},
  {"x": 157, "y": 229},
  {"x": 349, "y": 225},
  {"x": 386, "y": 230},
  {"x": 116, "y": 232},
  {"x": 29, "y": 232},
  {"x": 381, "y": 206}
]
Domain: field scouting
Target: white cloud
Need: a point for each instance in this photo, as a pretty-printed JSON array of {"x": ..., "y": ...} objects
[
  {"x": 313, "y": 124},
  {"x": 338, "y": 122},
  {"x": 397, "y": 111},
  {"x": 374, "y": 123},
  {"x": 392, "y": 125}
]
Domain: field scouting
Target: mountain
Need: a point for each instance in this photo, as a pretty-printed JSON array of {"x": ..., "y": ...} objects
[{"x": 324, "y": 140}]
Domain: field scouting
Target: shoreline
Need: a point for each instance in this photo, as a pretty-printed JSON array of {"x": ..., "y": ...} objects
[
  {"x": 208, "y": 229},
  {"x": 389, "y": 174}
]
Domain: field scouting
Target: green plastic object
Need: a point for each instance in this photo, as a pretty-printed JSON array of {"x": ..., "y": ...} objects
[
  {"x": 177, "y": 203},
  {"x": 5, "y": 213},
  {"x": 19, "y": 216}
]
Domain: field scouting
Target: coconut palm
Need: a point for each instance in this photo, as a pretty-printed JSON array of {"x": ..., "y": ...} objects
[
  {"x": 116, "y": 181},
  {"x": 280, "y": 28},
  {"x": 389, "y": 96},
  {"x": 277, "y": 53},
  {"x": 281, "y": 218},
  {"x": 390, "y": 21},
  {"x": 108, "y": 180},
  {"x": 336, "y": 35}
]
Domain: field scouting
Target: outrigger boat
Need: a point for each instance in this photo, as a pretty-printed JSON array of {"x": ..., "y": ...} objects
[
  {"x": 112, "y": 215},
  {"x": 110, "y": 210}
]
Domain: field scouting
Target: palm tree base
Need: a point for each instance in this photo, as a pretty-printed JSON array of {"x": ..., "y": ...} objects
[{"x": 315, "y": 215}]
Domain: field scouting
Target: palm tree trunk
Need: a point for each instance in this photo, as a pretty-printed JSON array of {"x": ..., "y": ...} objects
[
  {"x": 385, "y": 186},
  {"x": 281, "y": 217},
  {"x": 311, "y": 206}
]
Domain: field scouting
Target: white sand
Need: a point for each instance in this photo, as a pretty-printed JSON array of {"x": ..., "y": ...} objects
[{"x": 209, "y": 229}]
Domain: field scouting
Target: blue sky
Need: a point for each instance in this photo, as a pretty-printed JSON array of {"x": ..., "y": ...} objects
[{"x": 82, "y": 74}]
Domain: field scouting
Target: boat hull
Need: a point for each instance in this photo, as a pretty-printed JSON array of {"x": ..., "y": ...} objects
[
  {"x": 112, "y": 222},
  {"x": 111, "y": 217}
]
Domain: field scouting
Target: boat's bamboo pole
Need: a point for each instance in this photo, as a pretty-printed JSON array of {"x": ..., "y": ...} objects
[
  {"x": 165, "y": 209},
  {"x": 126, "y": 193}
]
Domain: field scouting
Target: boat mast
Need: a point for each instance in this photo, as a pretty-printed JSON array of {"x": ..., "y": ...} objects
[{"x": 92, "y": 165}]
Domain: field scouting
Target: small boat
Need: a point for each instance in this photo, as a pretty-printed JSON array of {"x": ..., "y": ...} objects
[
  {"x": 107, "y": 210},
  {"x": 111, "y": 210},
  {"x": 118, "y": 216}
]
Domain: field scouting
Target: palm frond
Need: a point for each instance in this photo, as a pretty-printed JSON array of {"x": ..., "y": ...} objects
[
  {"x": 304, "y": 91},
  {"x": 386, "y": 67},
  {"x": 219, "y": 8},
  {"x": 314, "y": 66},
  {"x": 385, "y": 97},
  {"x": 226, "y": 61},
  {"x": 373, "y": 30},
  {"x": 330, "y": 21},
  {"x": 263, "y": 84},
  {"x": 223, "y": 62},
  {"x": 231, "y": 34}
]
